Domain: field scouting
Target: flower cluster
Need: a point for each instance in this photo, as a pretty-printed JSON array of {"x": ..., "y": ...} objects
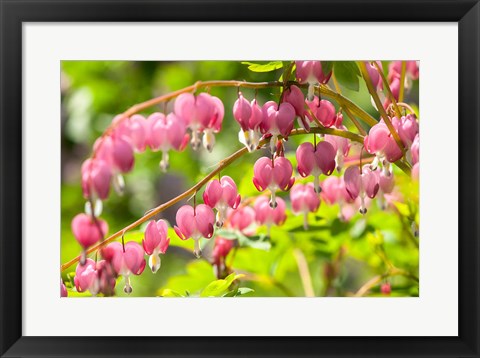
[{"x": 197, "y": 118}]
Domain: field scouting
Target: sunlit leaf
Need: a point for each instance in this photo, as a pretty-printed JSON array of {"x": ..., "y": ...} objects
[{"x": 267, "y": 67}]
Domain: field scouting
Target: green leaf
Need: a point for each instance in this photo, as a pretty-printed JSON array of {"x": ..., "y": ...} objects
[
  {"x": 238, "y": 292},
  {"x": 327, "y": 67},
  {"x": 267, "y": 67},
  {"x": 217, "y": 288},
  {"x": 244, "y": 290},
  {"x": 347, "y": 74},
  {"x": 166, "y": 292}
]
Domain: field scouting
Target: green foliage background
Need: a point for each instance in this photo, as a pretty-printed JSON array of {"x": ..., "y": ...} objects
[{"x": 93, "y": 92}]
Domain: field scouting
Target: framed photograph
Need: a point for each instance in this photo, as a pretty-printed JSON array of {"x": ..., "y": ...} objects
[{"x": 239, "y": 179}]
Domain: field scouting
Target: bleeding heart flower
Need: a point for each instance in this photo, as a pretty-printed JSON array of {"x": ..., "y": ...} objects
[
  {"x": 273, "y": 175},
  {"x": 407, "y": 128},
  {"x": 323, "y": 110},
  {"x": 166, "y": 133},
  {"x": 155, "y": 242},
  {"x": 311, "y": 72},
  {"x": 241, "y": 219},
  {"x": 266, "y": 215},
  {"x": 127, "y": 260},
  {"x": 221, "y": 194},
  {"x": 134, "y": 129},
  {"x": 385, "y": 288},
  {"x": 96, "y": 176},
  {"x": 88, "y": 231},
  {"x": 201, "y": 113},
  {"x": 380, "y": 142},
  {"x": 117, "y": 152},
  {"x": 295, "y": 97},
  {"x": 250, "y": 133},
  {"x": 277, "y": 120},
  {"x": 86, "y": 277},
  {"x": 316, "y": 160},
  {"x": 341, "y": 146},
  {"x": 242, "y": 111},
  {"x": 374, "y": 75},
  {"x": 63, "y": 289},
  {"x": 304, "y": 200},
  {"x": 221, "y": 249},
  {"x": 415, "y": 150},
  {"x": 195, "y": 223},
  {"x": 361, "y": 183}
]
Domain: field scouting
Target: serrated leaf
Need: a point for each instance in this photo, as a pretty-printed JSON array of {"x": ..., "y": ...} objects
[
  {"x": 267, "y": 67},
  {"x": 347, "y": 74}
]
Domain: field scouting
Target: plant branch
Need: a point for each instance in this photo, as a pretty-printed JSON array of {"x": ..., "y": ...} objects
[
  {"x": 378, "y": 279},
  {"x": 387, "y": 88},
  {"x": 222, "y": 164},
  {"x": 379, "y": 105},
  {"x": 324, "y": 90},
  {"x": 402, "y": 81}
]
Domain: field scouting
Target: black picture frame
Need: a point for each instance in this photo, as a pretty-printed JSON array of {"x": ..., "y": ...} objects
[{"x": 16, "y": 12}]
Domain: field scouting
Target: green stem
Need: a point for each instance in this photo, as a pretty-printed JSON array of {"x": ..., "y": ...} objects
[
  {"x": 402, "y": 81},
  {"x": 379, "y": 105},
  {"x": 386, "y": 87}
]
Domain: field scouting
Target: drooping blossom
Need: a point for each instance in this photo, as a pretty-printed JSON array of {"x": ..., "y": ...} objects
[
  {"x": 117, "y": 151},
  {"x": 126, "y": 260},
  {"x": 374, "y": 75},
  {"x": 63, "y": 289},
  {"x": 221, "y": 249},
  {"x": 96, "y": 177},
  {"x": 195, "y": 223},
  {"x": 334, "y": 192},
  {"x": 202, "y": 113},
  {"x": 415, "y": 150},
  {"x": 241, "y": 219},
  {"x": 250, "y": 117},
  {"x": 304, "y": 200},
  {"x": 265, "y": 214},
  {"x": 386, "y": 288},
  {"x": 95, "y": 277},
  {"x": 386, "y": 183},
  {"x": 88, "y": 231},
  {"x": 341, "y": 146},
  {"x": 295, "y": 97},
  {"x": 273, "y": 175},
  {"x": 323, "y": 110},
  {"x": 407, "y": 128},
  {"x": 277, "y": 121},
  {"x": 311, "y": 72},
  {"x": 166, "y": 133},
  {"x": 221, "y": 195},
  {"x": 380, "y": 142},
  {"x": 155, "y": 242},
  {"x": 316, "y": 160},
  {"x": 361, "y": 183},
  {"x": 134, "y": 129},
  {"x": 411, "y": 71}
]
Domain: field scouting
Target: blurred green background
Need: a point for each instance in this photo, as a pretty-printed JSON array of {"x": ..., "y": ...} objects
[{"x": 340, "y": 256}]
